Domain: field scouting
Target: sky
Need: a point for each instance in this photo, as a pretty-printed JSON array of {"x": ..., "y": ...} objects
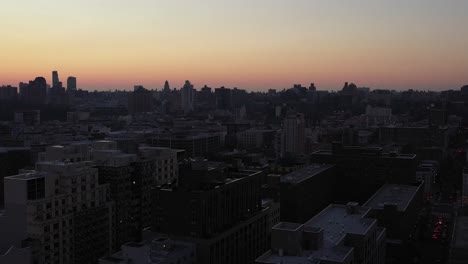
[{"x": 250, "y": 44}]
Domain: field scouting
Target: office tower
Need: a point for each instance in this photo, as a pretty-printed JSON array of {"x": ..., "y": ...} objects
[
  {"x": 312, "y": 185},
  {"x": 140, "y": 100},
  {"x": 55, "y": 80},
  {"x": 34, "y": 93},
  {"x": 294, "y": 134},
  {"x": 187, "y": 93},
  {"x": 223, "y": 97},
  {"x": 339, "y": 234},
  {"x": 218, "y": 209},
  {"x": 64, "y": 209},
  {"x": 71, "y": 84}
]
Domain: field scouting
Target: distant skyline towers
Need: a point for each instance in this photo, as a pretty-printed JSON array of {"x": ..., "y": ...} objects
[
  {"x": 71, "y": 83},
  {"x": 187, "y": 97},
  {"x": 55, "y": 79},
  {"x": 167, "y": 88}
]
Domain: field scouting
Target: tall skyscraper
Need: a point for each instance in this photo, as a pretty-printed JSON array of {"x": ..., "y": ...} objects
[
  {"x": 55, "y": 79},
  {"x": 167, "y": 88},
  {"x": 187, "y": 97},
  {"x": 71, "y": 84}
]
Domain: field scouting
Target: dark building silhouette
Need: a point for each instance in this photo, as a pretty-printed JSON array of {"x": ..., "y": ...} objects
[
  {"x": 71, "y": 84},
  {"x": 167, "y": 88},
  {"x": 366, "y": 169},
  {"x": 28, "y": 117},
  {"x": 55, "y": 79},
  {"x": 312, "y": 87},
  {"x": 8, "y": 93},
  {"x": 140, "y": 101},
  {"x": 34, "y": 93},
  {"x": 218, "y": 209},
  {"x": 205, "y": 98},
  {"x": 311, "y": 186},
  {"x": 223, "y": 98},
  {"x": 397, "y": 208},
  {"x": 12, "y": 159},
  {"x": 187, "y": 97}
]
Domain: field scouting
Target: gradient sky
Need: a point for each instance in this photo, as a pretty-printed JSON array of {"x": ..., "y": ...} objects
[{"x": 252, "y": 44}]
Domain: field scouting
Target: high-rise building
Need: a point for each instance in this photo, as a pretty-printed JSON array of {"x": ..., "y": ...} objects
[
  {"x": 187, "y": 97},
  {"x": 34, "y": 93},
  {"x": 8, "y": 93},
  {"x": 55, "y": 79},
  {"x": 294, "y": 134},
  {"x": 115, "y": 170},
  {"x": 140, "y": 100},
  {"x": 219, "y": 210},
  {"x": 71, "y": 84},
  {"x": 223, "y": 97},
  {"x": 64, "y": 211}
]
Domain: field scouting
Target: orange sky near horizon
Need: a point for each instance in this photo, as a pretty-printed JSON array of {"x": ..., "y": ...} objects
[{"x": 254, "y": 45}]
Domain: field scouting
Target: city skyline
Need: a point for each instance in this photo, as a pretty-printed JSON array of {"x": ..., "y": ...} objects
[{"x": 253, "y": 45}]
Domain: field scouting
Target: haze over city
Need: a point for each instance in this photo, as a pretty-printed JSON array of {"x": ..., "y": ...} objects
[{"x": 254, "y": 45}]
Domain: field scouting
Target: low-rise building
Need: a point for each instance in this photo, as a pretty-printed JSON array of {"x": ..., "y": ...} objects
[{"x": 338, "y": 234}]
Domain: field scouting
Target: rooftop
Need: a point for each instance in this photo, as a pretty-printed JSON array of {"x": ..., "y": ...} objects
[
  {"x": 305, "y": 173},
  {"x": 399, "y": 195},
  {"x": 27, "y": 176},
  {"x": 337, "y": 221}
]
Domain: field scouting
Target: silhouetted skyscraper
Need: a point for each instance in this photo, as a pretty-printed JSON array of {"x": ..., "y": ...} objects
[
  {"x": 71, "y": 83},
  {"x": 187, "y": 97},
  {"x": 167, "y": 88},
  {"x": 35, "y": 92},
  {"x": 55, "y": 79}
]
